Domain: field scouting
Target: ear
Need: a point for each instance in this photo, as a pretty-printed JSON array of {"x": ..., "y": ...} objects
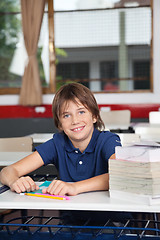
[
  {"x": 94, "y": 119},
  {"x": 60, "y": 127}
]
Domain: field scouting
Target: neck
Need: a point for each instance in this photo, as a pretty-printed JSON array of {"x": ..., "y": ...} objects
[{"x": 81, "y": 144}]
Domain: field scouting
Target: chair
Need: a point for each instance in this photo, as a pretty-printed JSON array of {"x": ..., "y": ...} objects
[
  {"x": 116, "y": 119},
  {"x": 154, "y": 117},
  {"x": 16, "y": 144}
]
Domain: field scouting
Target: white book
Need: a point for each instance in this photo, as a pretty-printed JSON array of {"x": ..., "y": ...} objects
[
  {"x": 135, "y": 198},
  {"x": 139, "y": 153},
  {"x": 135, "y": 174}
]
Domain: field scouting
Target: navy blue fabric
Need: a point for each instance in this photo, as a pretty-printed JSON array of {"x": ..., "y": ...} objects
[
  {"x": 71, "y": 163},
  {"x": 76, "y": 166}
]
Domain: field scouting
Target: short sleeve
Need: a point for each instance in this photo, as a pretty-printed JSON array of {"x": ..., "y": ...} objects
[
  {"x": 47, "y": 152},
  {"x": 109, "y": 144}
]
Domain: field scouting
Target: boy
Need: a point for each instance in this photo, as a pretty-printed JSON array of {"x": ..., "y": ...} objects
[{"x": 80, "y": 151}]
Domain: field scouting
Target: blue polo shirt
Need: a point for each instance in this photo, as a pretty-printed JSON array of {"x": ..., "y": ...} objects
[
  {"x": 76, "y": 166},
  {"x": 71, "y": 163}
]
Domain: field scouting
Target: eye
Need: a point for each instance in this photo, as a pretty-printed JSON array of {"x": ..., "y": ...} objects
[
  {"x": 81, "y": 112},
  {"x": 66, "y": 115}
]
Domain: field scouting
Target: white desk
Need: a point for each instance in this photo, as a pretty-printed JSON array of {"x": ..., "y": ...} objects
[
  {"x": 148, "y": 131},
  {"x": 41, "y": 137},
  {"x": 117, "y": 126},
  {"x": 7, "y": 158},
  {"x": 99, "y": 201}
]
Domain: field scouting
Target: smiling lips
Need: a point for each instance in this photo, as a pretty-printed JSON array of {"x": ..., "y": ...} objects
[{"x": 78, "y": 129}]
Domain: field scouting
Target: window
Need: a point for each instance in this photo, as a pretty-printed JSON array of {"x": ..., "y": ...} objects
[
  {"x": 109, "y": 72},
  {"x": 141, "y": 70},
  {"x": 73, "y": 71},
  {"x": 104, "y": 47},
  {"x": 13, "y": 55},
  {"x": 10, "y": 28},
  {"x": 109, "y": 40}
]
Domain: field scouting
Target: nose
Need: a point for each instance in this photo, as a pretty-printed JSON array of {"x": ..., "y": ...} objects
[{"x": 75, "y": 119}]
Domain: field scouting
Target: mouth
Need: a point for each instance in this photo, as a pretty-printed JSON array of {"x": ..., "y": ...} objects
[{"x": 79, "y": 129}]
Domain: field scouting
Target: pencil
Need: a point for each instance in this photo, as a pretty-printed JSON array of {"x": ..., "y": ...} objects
[{"x": 45, "y": 196}]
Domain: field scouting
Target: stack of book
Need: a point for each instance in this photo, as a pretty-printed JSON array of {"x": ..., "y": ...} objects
[{"x": 135, "y": 174}]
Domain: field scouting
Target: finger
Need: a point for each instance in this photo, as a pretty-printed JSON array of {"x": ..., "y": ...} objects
[
  {"x": 26, "y": 184},
  {"x": 50, "y": 189},
  {"x": 68, "y": 189},
  {"x": 55, "y": 187},
  {"x": 20, "y": 184},
  {"x": 15, "y": 188},
  {"x": 44, "y": 190},
  {"x": 30, "y": 184},
  {"x": 59, "y": 188},
  {"x": 61, "y": 192},
  {"x": 37, "y": 187}
]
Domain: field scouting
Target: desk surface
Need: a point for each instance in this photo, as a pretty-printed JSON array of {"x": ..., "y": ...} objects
[
  {"x": 117, "y": 126},
  {"x": 7, "y": 158},
  {"x": 41, "y": 137},
  {"x": 99, "y": 201},
  {"x": 148, "y": 131}
]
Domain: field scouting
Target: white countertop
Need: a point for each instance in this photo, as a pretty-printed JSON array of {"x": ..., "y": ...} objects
[
  {"x": 7, "y": 158},
  {"x": 148, "y": 131},
  {"x": 41, "y": 137},
  {"x": 99, "y": 201}
]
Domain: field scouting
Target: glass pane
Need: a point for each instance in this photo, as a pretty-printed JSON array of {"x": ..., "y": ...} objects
[
  {"x": 110, "y": 40},
  {"x": 10, "y": 28},
  {"x": 109, "y": 75},
  {"x": 13, "y": 55}
]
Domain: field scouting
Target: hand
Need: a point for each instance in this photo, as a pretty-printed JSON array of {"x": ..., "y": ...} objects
[
  {"x": 58, "y": 187},
  {"x": 23, "y": 184}
]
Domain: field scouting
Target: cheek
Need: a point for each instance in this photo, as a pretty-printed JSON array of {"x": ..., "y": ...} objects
[
  {"x": 64, "y": 124},
  {"x": 60, "y": 126}
]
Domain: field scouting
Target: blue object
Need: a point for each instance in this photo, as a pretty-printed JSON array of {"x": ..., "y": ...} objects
[
  {"x": 75, "y": 166},
  {"x": 4, "y": 188}
]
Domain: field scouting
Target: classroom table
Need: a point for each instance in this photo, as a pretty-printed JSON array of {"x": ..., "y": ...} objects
[
  {"x": 148, "y": 131},
  {"x": 41, "y": 137},
  {"x": 7, "y": 158},
  {"x": 93, "y": 201},
  {"x": 119, "y": 128},
  {"x": 49, "y": 228}
]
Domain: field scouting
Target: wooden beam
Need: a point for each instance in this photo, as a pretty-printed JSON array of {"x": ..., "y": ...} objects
[{"x": 52, "y": 53}]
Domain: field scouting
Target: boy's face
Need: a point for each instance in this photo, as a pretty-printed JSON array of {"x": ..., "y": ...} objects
[{"x": 77, "y": 123}]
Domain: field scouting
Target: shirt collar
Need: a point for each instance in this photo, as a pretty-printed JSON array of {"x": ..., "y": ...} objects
[{"x": 91, "y": 146}]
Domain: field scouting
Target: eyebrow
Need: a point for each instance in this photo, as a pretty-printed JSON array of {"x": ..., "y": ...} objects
[
  {"x": 66, "y": 112},
  {"x": 81, "y": 108}
]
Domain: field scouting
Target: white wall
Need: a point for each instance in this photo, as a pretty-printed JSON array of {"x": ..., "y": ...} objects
[{"x": 121, "y": 98}]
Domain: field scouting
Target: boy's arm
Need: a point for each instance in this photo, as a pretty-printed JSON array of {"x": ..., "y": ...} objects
[
  {"x": 100, "y": 182},
  {"x": 12, "y": 175}
]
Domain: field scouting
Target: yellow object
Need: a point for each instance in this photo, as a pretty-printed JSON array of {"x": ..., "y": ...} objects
[{"x": 44, "y": 196}]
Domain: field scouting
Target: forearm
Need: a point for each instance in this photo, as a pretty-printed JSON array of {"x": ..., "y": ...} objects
[
  {"x": 100, "y": 182},
  {"x": 59, "y": 187},
  {"x": 8, "y": 175}
]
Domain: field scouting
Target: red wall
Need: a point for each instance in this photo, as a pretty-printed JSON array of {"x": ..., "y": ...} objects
[{"x": 137, "y": 110}]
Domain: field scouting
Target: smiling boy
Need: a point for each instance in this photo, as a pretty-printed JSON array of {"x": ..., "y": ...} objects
[{"x": 80, "y": 151}]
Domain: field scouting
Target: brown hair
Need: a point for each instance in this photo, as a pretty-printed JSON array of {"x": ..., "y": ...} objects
[{"x": 70, "y": 92}]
